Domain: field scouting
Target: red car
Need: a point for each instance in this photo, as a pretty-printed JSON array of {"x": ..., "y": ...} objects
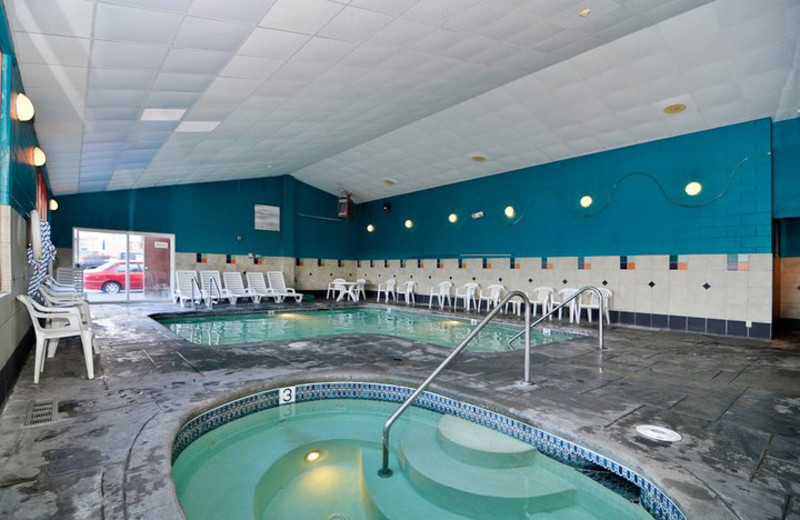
[{"x": 110, "y": 277}]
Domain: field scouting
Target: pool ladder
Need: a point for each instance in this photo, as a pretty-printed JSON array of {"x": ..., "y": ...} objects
[{"x": 385, "y": 471}]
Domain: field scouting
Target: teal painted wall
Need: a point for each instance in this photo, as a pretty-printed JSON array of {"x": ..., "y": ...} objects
[
  {"x": 17, "y": 175},
  {"x": 786, "y": 168},
  {"x": 208, "y": 217},
  {"x": 319, "y": 233},
  {"x": 640, "y": 206}
]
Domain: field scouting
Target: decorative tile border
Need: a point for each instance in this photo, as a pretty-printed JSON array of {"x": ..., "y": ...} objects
[{"x": 653, "y": 499}]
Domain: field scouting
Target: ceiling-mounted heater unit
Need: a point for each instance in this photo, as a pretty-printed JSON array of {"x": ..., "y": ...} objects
[{"x": 345, "y": 205}]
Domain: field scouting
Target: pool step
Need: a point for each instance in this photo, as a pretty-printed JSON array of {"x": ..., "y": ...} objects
[{"x": 480, "y": 446}]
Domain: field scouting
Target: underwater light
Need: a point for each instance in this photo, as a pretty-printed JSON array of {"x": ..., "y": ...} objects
[{"x": 312, "y": 456}]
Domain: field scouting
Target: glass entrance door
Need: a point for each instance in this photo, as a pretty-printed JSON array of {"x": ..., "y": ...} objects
[{"x": 124, "y": 266}]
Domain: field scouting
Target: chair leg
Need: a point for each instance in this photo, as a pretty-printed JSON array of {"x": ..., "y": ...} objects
[
  {"x": 38, "y": 359},
  {"x": 86, "y": 340},
  {"x": 52, "y": 345}
]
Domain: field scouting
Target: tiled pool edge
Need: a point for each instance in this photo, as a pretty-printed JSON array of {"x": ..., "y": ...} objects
[{"x": 658, "y": 504}]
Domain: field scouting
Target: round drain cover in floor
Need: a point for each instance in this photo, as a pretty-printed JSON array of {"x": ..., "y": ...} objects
[{"x": 658, "y": 433}]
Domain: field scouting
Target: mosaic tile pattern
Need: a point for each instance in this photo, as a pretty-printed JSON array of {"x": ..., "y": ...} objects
[
  {"x": 678, "y": 262},
  {"x": 583, "y": 265},
  {"x": 606, "y": 471},
  {"x": 627, "y": 263},
  {"x": 738, "y": 262}
]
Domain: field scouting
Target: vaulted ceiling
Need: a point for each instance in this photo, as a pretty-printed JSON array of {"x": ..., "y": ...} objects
[{"x": 382, "y": 97}]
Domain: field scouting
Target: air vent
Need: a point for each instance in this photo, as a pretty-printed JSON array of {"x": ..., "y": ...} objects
[{"x": 41, "y": 411}]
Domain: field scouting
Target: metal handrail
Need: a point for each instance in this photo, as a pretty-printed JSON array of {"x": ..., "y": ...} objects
[
  {"x": 561, "y": 306},
  {"x": 211, "y": 296},
  {"x": 199, "y": 290},
  {"x": 385, "y": 471}
]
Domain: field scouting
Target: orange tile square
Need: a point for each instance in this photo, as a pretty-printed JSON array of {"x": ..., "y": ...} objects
[
  {"x": 516, "y": 266},
  {"x": 683, "y": 266},
  {"x": 631, "y": 266},
  {"x": 488, "y": 266},
  {"x": 744, "y": 266},
  {"x": 587, "y": 265}
]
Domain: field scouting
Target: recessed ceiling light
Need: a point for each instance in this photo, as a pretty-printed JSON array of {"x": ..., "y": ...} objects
[
  {"x": 162, "y": 114},
  {"x": 675, "y": 108},
  {"x": 389, "y": 182},
  {"x": 583, "y": 13},
  {"x": 197, "y": 126}
]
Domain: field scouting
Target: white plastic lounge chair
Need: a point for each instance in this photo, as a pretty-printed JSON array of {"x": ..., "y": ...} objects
[
  {"x": 441, "y": 291},
  {"x": 257, "y": 285},
  {"x": 62, "y": 300},
  {"x": 63, "y": 323},
  {"x": 562, "y": 296},
  {"x": 188, "y": 287},
  {"x": 235, "y": 286},
  {"x": 211, "y": 284},
  {"x": 469, "y": 295},
  {"x": 589, "y": 301},
  {"x": 388, "y": 289},
  {"x": 278, "y": 284},
  {"x": 492, "y": 297},
  {"x": 335, "y": 288},
  {"x": 360, "y": 289},
  {"x": 57, "y": 286},
  {"x": 408, "y": 292}
]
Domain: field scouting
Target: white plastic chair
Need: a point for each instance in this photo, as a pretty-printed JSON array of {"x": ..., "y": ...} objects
[
  {"x": 562, "y": 296},
  {"x": 188, "y": 287},
  {"x": 335, "y": 288},
  {"x": 214, "y": 288},
  {"x": 278, "y": 284},
  {"x": 442, "y": 292},
  {"x": 589, "y": 301},
  {"x": 360, "y": 289},
  {"x": 492, "y": 297},
  {"x": 62, "y": 300},
  {"x": 469, "y": 296},
  {"x": 235, "y": 286},
  {"x": 388, "y": 289},
  {"x": 257, "y": 285},
  {"x": 542, "y": 296},
  {"x": 64, "y": 322},
  {"x": 408, "y": 292}
]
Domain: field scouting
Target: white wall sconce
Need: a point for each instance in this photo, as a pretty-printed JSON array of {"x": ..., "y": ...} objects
[
  {"x": 509, "y": 211},
  {"x": 586, "y": 201},
  {"x": 23, "y": 107},
  {"x": 53, "y": 204},
  {"x": 370, "y": 228},
  {"x": 39, "y": 157},
  {"x": 477, "y": 215},
  {"x": 693, "y": 188},
  {"x": 453, "y": 218},
  {"x": 409, "y": 224}
]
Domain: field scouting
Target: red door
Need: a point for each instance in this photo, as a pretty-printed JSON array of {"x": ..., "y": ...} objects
[{"x": 157, "y": 253}]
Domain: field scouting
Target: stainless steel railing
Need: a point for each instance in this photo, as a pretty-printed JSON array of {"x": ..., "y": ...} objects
[
  {"x": 213, "y": 282},
  {"x": 199, "y": 290},
  {"x": 561, "y": 306},
  {"x": 385, "y": 471}
]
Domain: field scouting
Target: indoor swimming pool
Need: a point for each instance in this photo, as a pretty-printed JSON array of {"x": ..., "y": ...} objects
[
  {"x": 318, "y": 458},
  {"x": 430, "y": 328}
]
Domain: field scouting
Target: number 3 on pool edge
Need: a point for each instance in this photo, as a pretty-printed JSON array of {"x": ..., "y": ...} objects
[{"x": 286, "y": 395}]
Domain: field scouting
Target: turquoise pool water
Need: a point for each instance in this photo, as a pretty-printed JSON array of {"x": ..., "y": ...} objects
[
  {"x": 258, "y": 467},
  {"x": 446, "y": 332}
]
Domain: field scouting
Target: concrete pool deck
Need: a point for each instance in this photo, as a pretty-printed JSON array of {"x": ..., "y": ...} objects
[{"x": 107, "y": 455}]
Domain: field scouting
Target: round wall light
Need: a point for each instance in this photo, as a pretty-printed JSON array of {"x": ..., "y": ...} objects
[
  {"x": 370, "y": 228},
  {"x": 509, "y": 211},
  {"x": 409, "y": 224},
  {"x": 23, "y": 107},
  {"x": 53, "y": 204},
  {"x": 39, "y": 158},
  {"x": 586, "y": 201},
  {"x": 453, "y": 218},
  {"x": 312, "y": 456},
  {"x": 693, "y": 188}
]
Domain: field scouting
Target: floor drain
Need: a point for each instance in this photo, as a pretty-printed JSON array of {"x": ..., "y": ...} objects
[
  {"x": 658, "y": 433},
  {"x": 41, "y": 412}
]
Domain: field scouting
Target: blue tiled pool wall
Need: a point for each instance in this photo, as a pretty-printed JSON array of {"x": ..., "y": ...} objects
[{"x": 607, "y": 472}]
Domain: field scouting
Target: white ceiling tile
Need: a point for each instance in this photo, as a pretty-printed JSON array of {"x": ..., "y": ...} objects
[
  {"x": 164, "y": 5},
  {"x": 272, "y": 44},
  {"x": 195, "y": 61},
  {"x": 246, "y": 67},
  {"x": 140, "y": 79},
  {"x": 212, "y": 35},
  {"x": 115, "y": 22},
  {"x": 54, "y": 17},
  {"x": 126, "y": 55},
  {"x": 172, "y": 99},
  {"x": 391, "y": 7},
  {"x": 322, "y": 50},
  {"x": 232, "y": 87},
  {"x": 437, "y": 13},
  {"x": 247, "y": 11},
  {"x": 51, "y": 50},
  {"x": 302, "y": 16},
  {"x": 354, "y": 25},
  {"x": 401, "y": 33},
  {"x": 175, "y": 82},
  {"x": 53, "y": 76},
  {"x": 115, "y": 98}
]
